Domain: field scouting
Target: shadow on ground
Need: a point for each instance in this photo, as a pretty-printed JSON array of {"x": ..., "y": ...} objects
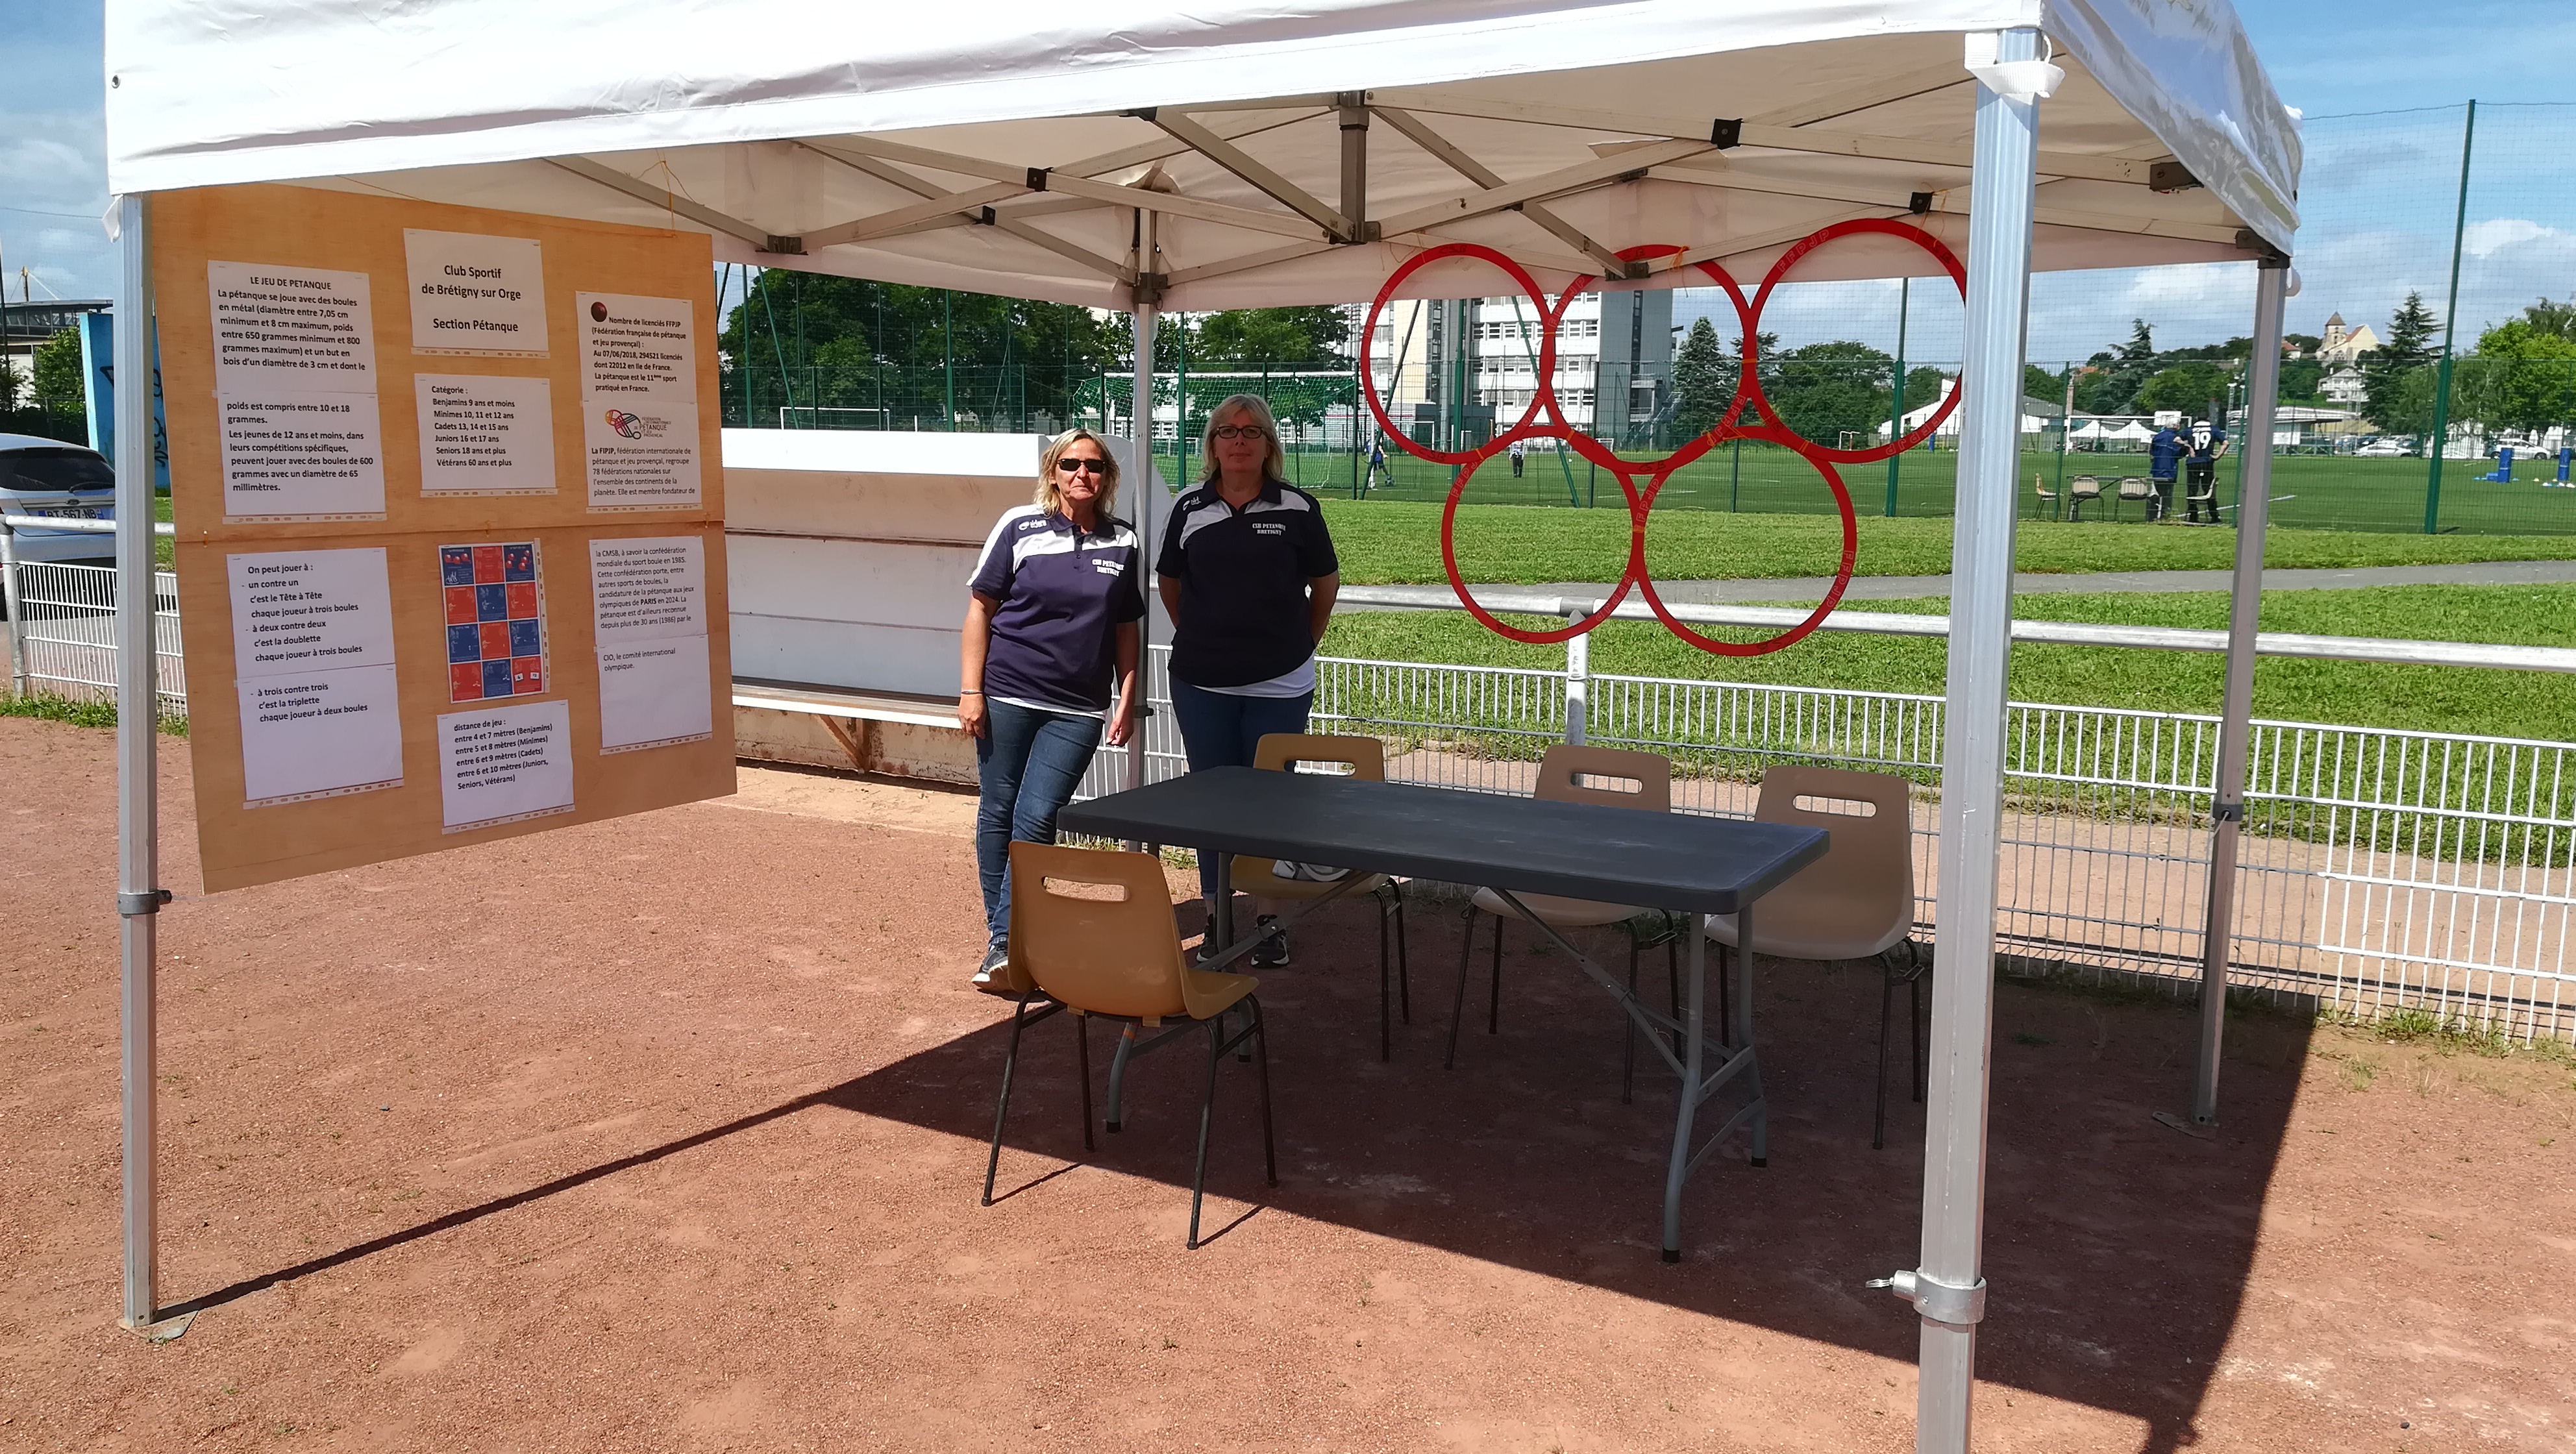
[{"x": 2117, "y": 1248}]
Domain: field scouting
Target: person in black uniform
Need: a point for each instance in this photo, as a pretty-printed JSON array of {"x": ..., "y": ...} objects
[
  {"x": 2200, "y": 471},
  {"x": 1248, "y": 576}
]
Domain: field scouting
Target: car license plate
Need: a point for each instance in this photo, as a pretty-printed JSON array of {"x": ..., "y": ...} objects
[{"x": 68, "y": 512}]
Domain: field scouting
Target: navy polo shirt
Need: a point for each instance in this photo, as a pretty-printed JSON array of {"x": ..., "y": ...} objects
[
  {"x": 2163, "y": 452},
  {"x": 1243, "y": 577},
  {"x": 2204, "y": 450},
  {"x": 1063, "y": 595}
]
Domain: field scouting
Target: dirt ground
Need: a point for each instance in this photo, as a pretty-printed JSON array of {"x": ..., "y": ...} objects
[{"x": 666, "y": 1134}]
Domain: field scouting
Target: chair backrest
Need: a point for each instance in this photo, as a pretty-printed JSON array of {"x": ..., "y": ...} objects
[
  {"x": 1562, "y": 771},
  {"x": 1093, "y": 928},
  {"x": 1282, "y": 751},
  {"x": 1867, "y": 872},
  {"x": 2084, "y": 486},
  {"x": 2135, "y": 487}
]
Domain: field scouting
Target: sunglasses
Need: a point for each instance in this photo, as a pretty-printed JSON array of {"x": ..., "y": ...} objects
[
  {"x": 1086, "y": 466},
  {"x": 1239, "y": 431}
]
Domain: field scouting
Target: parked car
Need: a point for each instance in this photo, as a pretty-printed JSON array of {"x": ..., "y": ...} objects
[
  {"x": 50, "y": 478},
  {"x": 2386, "y": 449}
]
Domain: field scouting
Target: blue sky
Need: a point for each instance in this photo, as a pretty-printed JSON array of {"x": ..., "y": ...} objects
[{"x": 2378, "y": 198}]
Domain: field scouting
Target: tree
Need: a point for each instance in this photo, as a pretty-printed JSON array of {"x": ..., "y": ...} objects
[
  {"x": 11, "y": 383},
  {"x": 1826, "y": 389},
  {"x": 2527, "y": 377},
  {"x": 1923, "y": 386},
  {"x": 58, "y": 371},
  {"x": 1256, "y": 336},
  {"x": 1703, "y": 381},
  {"x": 2384, "y": 371},
  {"x": 2037, "y": 382},
  {"x": 2188, "y": 387},
  {"x": 806, "y": 339},
  {"x": 2555, "y": 319},
  {"x": 2119, "y": 374}
]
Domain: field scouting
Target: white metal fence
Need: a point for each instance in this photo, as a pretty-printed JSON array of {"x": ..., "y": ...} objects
[
  {"x": 2380, "y": 869},
  {"x": 65, "y": 634}
]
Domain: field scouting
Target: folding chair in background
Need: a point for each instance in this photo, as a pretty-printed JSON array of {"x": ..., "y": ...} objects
[
  {"x": 1561, "y": 779},
  {"x": 1262, "y": 877},
  {"x": 2078, "y": 490},
  {"x": 1856, "y": 902},
  {"x": 1092, "y": 932},
  {"x": 2136, "y": 487}
]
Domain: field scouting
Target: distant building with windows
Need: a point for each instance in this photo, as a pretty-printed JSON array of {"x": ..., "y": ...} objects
[{"x": 1456, "y": 371}]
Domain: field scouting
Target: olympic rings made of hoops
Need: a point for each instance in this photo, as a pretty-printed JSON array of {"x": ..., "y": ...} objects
[{"x": 1545, "y": 418}]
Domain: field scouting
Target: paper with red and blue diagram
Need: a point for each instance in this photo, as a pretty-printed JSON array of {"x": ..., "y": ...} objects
[{"x": 496, "y": 621}]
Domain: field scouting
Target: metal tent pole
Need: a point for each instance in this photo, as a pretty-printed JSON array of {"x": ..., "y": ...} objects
[
  {"x": 2235, "y": 731},
  {"x": 1149, "y": 502},
  {"x": 1947, "y": 1289},
  {"x": 138, "y": 895}
]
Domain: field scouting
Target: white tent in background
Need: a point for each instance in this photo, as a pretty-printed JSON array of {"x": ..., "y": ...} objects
[
  {"x": 1129, "y": 156},
  {"x": 2130, "y": 431},
  {"x": 2089, "y": 429}
]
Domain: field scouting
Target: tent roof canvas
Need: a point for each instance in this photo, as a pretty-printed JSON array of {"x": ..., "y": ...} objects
[{"x": 1008, "y": 156}]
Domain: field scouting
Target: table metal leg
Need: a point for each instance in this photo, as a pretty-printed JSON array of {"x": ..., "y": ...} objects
[
  {"x": 1686, "y": 1105},
  {"x": 1740, "y": 1036},
  {"x": 1221, "y": 909}
]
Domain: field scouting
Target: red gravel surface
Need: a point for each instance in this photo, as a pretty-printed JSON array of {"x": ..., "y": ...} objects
[{"x": 666, "y": 1134}]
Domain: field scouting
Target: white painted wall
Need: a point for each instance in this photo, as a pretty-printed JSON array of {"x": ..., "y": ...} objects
[{"x": 848, "y": 550}]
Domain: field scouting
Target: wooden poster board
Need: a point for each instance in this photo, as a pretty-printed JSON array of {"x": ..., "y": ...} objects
[{"x": 308, "y": 231}]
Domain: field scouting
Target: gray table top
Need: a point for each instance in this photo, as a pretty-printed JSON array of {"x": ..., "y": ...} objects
[{"x": 1578, "y": 850}]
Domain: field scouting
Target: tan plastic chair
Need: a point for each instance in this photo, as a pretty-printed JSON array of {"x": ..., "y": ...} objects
[
  {"x": 1561, "y": 775},
  {"x": 1260, "y": 877},
  {"x": 2047, "y": 496},
  {"x": 1856, "y": 902},
  {"x": 1092, "y": 932},
  {"x": 2080, "y": 489}
]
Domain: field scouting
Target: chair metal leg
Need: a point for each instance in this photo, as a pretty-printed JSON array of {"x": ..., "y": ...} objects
[
  {"x": 1628, "y": 1041},
  {"x": 1458, "y": 1006},
  {"x": 1082, "y": 1062},
  {"x": 1878, "y": 1098},
  {"x": 1207, "y": 1112},
  {"x": 1118, "y": 1079},
  {"x": 1915, "y": 1016},
  {"x": 1261, "y": 1067},
  {"x": 1002, "y": 1107},
  {"x": 1494, "y": 1006}
]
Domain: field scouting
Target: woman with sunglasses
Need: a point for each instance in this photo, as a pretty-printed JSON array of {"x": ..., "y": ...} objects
[
  {"x": 1248, "y": 575},
  {"x": 1050, "y": 622}
]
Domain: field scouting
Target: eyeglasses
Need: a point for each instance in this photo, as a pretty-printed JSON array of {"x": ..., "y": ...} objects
[
  {"x": 1086, "y": 466},
  {"x": 1239, "y": 431}
]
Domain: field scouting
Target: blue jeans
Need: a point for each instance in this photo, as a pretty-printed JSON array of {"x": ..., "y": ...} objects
[
  {"x": 1027, "y": 765},
  {"x": 1218, "y": 730}
]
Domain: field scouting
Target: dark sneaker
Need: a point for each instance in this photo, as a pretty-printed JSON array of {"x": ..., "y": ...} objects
[
  {"x": 993, "y": 975},
  {"x": 1272, "y": 951}
]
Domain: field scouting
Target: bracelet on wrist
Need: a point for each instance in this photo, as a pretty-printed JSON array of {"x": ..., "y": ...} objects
[{"x": 970, "y": 692}]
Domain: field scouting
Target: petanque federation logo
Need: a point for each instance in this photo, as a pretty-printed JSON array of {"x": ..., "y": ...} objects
[{"x": 628, "y": 426}]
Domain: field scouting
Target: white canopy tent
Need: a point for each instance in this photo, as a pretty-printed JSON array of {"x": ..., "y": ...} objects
[{"x": 1239, "y": 154}]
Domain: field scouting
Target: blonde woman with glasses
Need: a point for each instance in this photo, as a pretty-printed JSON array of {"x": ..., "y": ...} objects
[
  {"x": 1050, "y": 627},
  {"x": 1248, "y": 575}
]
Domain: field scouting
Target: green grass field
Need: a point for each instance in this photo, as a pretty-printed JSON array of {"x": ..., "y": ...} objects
[
  {"x": 1387, "y": 542},
  {"x": 2440, "y": 699},
  {"x": 2325, "y": 492}
]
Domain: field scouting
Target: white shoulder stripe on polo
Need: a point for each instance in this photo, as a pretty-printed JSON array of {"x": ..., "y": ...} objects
[
  {"x": 1009, "y": 522},
  {"x": 1211, "y": 513},
  {"x": 1032, "y": 543}
]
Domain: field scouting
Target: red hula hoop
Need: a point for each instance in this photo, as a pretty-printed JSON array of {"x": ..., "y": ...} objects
[{"x": 1748, "y": 392}]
